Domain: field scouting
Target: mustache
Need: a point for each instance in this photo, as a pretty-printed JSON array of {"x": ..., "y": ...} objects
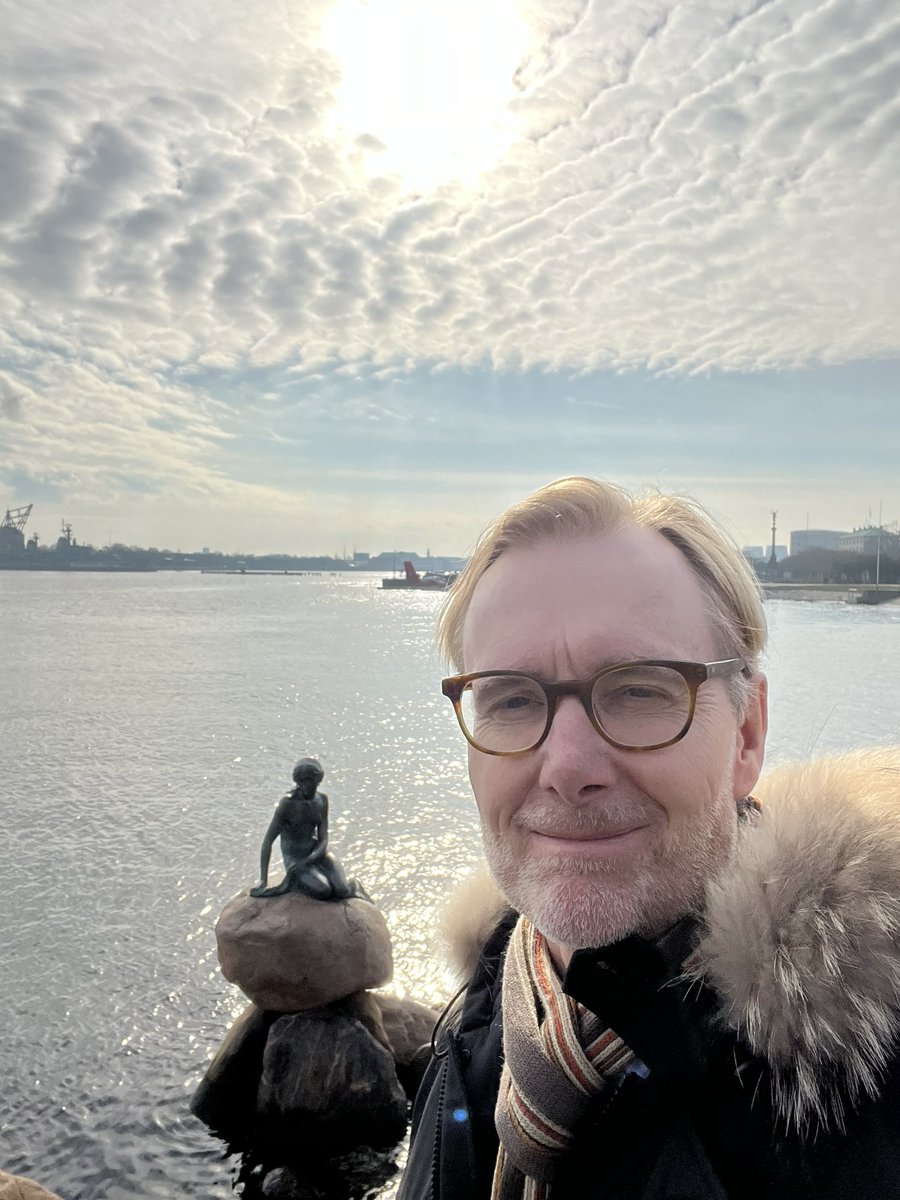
[{"x": 591, "y": 820}]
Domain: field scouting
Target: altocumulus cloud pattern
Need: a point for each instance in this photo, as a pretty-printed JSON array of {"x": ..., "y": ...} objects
[{"x": 687, "y": 186}]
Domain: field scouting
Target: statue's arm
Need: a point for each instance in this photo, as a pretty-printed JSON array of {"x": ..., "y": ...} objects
[{"x": 321, "y": 847}]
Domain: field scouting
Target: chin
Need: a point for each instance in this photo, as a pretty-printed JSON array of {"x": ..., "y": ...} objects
[
  {"x": 584, "y": 910},
  {"x": 575, "y": 902},
  {"x": 580, "y": 904}
]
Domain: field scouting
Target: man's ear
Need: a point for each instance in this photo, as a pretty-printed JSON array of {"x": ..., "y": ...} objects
[{"x": 750, "y": 739}]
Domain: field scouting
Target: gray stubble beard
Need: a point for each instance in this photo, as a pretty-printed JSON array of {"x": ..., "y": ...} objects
[{"x": 579, "y": 903}]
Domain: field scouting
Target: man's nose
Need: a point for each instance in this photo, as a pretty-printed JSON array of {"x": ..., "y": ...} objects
[{"x": 576, "y": 762}]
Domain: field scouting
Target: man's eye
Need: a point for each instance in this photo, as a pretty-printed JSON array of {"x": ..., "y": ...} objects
[
  {"x": 501, "y": 706},
  {"x": 507, "y": 704},
  {"x": 638, "y": 694}
]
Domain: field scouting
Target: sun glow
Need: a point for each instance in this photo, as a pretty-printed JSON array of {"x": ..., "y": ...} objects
[{"x": 425, "y": 84}]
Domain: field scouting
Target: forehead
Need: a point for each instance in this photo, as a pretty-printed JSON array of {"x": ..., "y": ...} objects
[{"x": 626, "y": 594}]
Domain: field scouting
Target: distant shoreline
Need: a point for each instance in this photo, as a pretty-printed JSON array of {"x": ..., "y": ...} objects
[{"x": 860, "y": 593}]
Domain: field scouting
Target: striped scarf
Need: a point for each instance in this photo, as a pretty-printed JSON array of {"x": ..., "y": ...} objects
[{"x": 557, "y": 1057}]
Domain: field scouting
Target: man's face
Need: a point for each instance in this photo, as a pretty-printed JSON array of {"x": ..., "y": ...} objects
[{"x": 589, "y": 841}]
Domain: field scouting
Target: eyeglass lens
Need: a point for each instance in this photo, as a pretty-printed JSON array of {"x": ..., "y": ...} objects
[{"x": 637, "y": 706}]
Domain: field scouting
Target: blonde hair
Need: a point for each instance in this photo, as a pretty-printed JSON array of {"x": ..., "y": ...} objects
[{"x": 580, "y": 507}]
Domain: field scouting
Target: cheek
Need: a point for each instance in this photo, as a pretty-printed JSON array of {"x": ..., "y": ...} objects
[
  {"x": 495, "y": 785},
  {"x": 716, "y": 753},
  {"x": 714, "y": 726},
  {"x": 476, "y": 774},
  {"x": 685, "y": 779}
]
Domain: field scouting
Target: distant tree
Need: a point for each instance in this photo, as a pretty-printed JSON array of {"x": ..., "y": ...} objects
[{"x": 839, "y": 566}]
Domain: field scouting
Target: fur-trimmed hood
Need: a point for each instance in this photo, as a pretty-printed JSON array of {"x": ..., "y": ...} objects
[{"x": 802, "y": 932}]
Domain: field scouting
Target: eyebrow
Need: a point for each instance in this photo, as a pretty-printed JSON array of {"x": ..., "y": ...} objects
[{"x": 610, "y": 660}]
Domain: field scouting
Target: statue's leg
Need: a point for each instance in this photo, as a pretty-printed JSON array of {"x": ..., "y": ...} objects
[
  {"x": 343, "y": 886},
  {"x": 338, "y": 883},
  {"x": 313, "y": 882}
]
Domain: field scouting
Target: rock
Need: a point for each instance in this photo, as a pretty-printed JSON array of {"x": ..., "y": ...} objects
[
  {"x": 283, "y": 1184},
  {"x": 403, "y": 1027},
  {"x": 328, "y": 1083},
  {"x": 365, "y": 1007},
  {"x": 361, "y": 1172},
  {"x": 19, "y": 1187},
  {"x": 290, "y": 953},
  {"x": 408, "y": 1026},
  {"x": 226, "y": 1097}
]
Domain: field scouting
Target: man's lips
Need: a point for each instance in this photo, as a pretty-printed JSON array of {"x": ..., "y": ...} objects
[
  {"x": 589, "y": 835},
  {"x": 586, "y": 840}
]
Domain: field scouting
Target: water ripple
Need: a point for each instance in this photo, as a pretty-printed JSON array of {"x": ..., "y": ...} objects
[{"x": 154, "y": 726}]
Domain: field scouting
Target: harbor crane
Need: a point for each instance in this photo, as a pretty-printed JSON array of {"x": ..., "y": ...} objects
[{"x": 16, "y": 517}]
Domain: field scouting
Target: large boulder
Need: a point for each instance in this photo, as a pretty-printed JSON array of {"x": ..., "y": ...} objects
[
  {"x": 408, "y": 1025},
  {"x": 226, "y": 1097},
  {"x": 326, "y": 1082},
  {"x": 365, "y": 1007},
  {"x": 290, "y": 953}
]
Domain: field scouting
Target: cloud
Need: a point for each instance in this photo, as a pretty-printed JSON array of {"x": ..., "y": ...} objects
[
  {"x": 11, "y": 395},
  {"x": 690, "y": 188},
  {"x": 695, "y": 185}
]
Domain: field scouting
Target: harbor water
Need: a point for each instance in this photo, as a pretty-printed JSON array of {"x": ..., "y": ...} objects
[{"x": 148, "y": 725}]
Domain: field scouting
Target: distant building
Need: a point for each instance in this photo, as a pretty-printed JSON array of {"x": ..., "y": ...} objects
[
  {"x": 361, "y": 558},
  {"x": 781, "y": 552},
  {"x": 393, "y": 560},
  {"x": 752, "y": 553},
  {"x": 815, "y": 539},
  {"x": 445, "y": 562},
  {"x": 867, "y": 539}
]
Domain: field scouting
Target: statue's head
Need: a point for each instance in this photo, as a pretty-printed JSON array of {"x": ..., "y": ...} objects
[{"x": 308, "y": 774}]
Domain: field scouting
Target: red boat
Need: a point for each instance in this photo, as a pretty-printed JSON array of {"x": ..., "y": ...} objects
[{"x": 435, "y": 581}]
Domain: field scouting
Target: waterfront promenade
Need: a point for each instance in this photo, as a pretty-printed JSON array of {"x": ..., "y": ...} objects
[{"x": 850, "y": 593}]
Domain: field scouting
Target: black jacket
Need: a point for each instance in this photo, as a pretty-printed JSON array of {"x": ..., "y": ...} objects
[{"x": 757, "y": 1086}]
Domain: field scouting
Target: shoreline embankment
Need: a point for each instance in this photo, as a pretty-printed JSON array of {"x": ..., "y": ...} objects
[{"x": 861, "y": 593}]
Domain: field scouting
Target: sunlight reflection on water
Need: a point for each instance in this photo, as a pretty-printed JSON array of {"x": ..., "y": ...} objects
[{"x": 154, "y": 723}]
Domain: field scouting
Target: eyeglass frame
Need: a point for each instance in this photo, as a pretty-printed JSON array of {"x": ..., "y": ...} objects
[{"x": 693, "y": 674}]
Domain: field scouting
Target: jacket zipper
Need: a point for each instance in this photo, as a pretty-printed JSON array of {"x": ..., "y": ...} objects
[{"x": 439, "y": 1124}]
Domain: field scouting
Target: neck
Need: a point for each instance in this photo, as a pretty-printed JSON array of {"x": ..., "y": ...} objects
[{"x": 562, "y": 955}]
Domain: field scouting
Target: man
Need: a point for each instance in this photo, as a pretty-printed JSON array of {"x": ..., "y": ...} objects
[{"x": 682, "y": 993}]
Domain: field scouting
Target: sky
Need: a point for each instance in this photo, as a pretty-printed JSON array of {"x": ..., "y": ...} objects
[{"x": 318, "y": 275}]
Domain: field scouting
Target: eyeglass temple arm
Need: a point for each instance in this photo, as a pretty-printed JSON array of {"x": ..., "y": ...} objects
[{"x": 725, "y": 666}]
